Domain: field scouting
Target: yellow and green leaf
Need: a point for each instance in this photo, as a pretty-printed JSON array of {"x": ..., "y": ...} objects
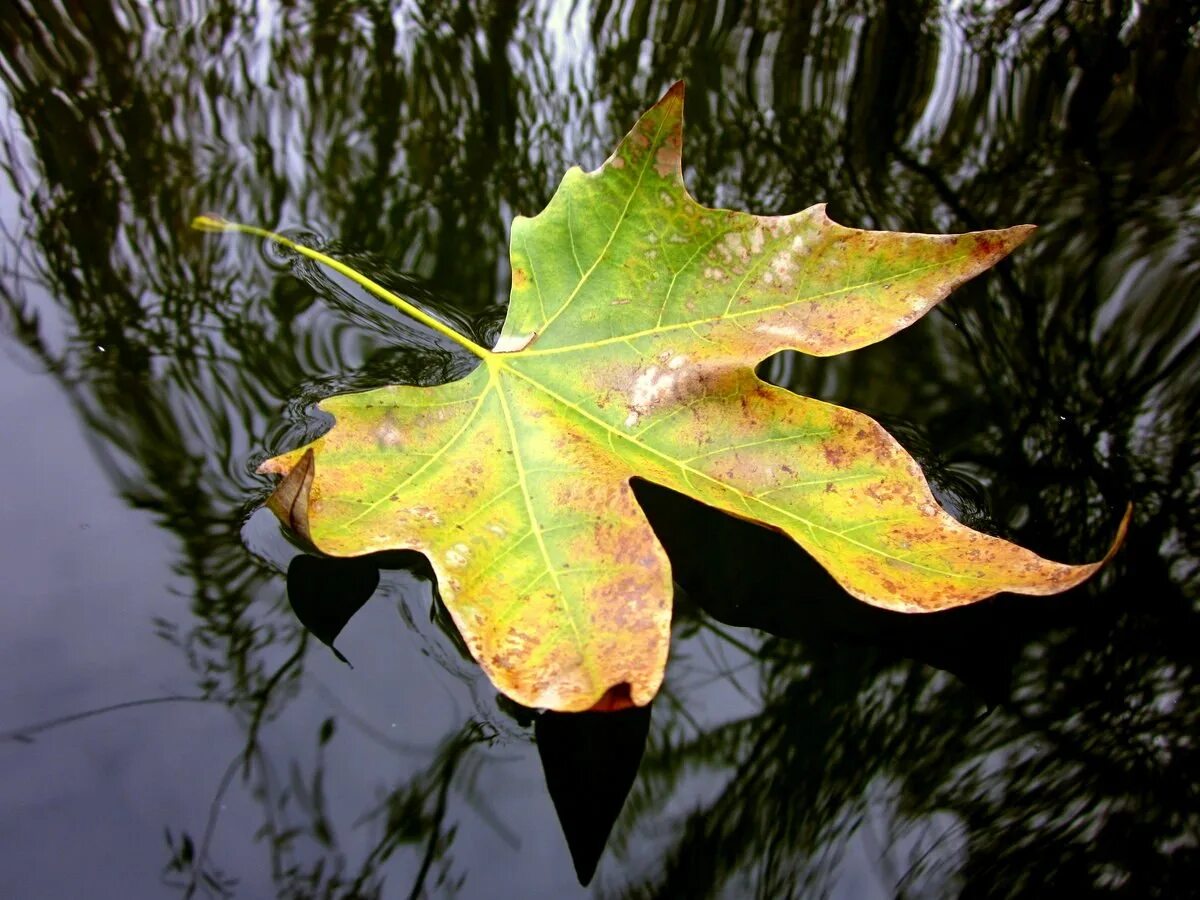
[{"x": 636, "y": 320}]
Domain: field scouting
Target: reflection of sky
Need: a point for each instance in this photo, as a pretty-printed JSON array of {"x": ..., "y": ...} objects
[
  {"x": 85, "y": 575},
  {"x": 566, "y": 25}
]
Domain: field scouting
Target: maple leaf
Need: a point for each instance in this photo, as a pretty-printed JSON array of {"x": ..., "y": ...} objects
[{"x": 636, "y": 320}]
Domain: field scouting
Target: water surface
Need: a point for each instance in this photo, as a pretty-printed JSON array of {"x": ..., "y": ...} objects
[{"x": 803, "y": 744}]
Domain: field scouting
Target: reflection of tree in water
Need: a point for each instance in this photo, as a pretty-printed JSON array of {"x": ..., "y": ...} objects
[
  {"x": 181, "y": 353},
  {"x": 1054, "y": 390},
  {"x": 297, "y": 820}
]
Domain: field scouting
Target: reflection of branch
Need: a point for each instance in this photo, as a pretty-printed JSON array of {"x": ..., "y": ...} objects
[
  {"x": 263, "y": 699},
  {"x": 444, "y": 770},
  {"x": 706, "y": 622},
  {"x": 25, "y": 734},
  {"x": 668, "y": 694},
  {"x": 210, "y": 826},
  {"x": 368, "y": 730},
  {"x": 435, "y": 835}
]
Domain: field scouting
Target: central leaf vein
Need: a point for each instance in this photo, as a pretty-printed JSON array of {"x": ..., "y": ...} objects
[{"x": 567, "y": 606}]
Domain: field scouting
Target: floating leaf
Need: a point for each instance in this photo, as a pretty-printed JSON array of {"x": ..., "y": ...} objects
[{"x": 636, "y": 320}]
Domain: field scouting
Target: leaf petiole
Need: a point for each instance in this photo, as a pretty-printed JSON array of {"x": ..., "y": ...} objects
[{"x": 216, "y": 224}]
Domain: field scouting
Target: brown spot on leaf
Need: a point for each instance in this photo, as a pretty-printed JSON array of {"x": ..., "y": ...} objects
[
  {"x": 667, "y": 159},
  {"x": 988, "y": 246},
  {"x": 834, "y": 455}
]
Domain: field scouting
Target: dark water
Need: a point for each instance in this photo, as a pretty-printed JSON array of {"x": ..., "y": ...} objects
[{"x": 803, "y": 744}]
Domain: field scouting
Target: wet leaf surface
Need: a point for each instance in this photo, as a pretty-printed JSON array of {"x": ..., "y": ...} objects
[{"x": 636, "y": 320}]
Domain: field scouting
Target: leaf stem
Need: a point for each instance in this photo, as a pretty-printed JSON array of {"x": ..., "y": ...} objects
[{"x": 216, "y": 224}]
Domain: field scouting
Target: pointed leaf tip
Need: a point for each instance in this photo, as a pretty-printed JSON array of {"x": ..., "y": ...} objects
[
  {"x": 1008, "y": 239},
  {"x": 1119, "y": 539},
  {"x": 654, "y": 145}
]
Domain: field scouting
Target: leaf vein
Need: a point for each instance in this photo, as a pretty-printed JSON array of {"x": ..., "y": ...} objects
[
  {"x": 675, "y": 273},
  {"x": 687, "y": 471},
  {"x": 568, "y": 608},
  {"x": 533, "y": 274},
  {"x": 716, "y": 319},
  {"x": 773, "y": 440},
  {"x": 445, "y": 448},
  {"x": 612, "y": 234}
]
